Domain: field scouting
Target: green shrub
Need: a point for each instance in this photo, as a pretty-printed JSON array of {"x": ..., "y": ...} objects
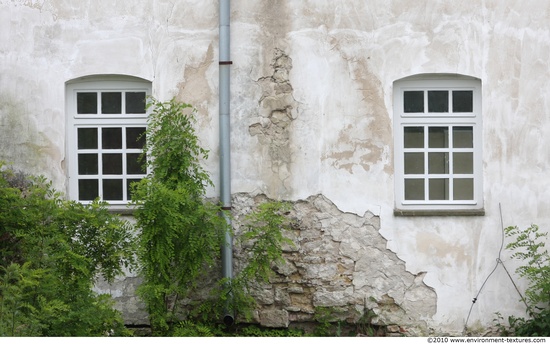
[
  {"x": 529, "y": 247},
  {"x": 51, "y": 251}
]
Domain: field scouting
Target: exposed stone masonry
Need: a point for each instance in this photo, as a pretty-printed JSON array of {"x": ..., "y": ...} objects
[
  {"x": 277, "y": 110},
  {"x": 339, "y": 260}
]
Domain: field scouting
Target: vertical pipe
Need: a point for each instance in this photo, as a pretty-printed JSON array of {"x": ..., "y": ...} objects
[{"x": 225, "y": 161}]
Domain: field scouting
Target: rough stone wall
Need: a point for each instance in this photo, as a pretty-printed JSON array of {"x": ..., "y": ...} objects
[{"x": 338, "y": 260}]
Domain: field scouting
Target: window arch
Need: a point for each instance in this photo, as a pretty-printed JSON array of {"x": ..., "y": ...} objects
[
  {"x": 106, "y": 122},
  {"x": 438, "y": 148}
]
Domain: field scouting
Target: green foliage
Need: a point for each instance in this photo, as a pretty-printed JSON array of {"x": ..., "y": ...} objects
[
  {"x": 328, "y": 322},
  {"x": 364, "y": 324},
  {"x": 255, "y": 331},
  {"x": 51, "y": 250},
  {"x": 529, "y": 247},
  {"x": 537, "y": 326},
  {"x": 191, "y": 329},
  {"x": 181, "y": 233},
  {"x": 262, "y": 239}
]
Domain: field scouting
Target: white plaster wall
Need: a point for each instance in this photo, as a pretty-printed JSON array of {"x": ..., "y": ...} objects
[{"x": 345, "y": 56}]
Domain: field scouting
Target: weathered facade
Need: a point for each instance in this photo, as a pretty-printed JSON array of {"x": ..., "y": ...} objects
[{"x": 315, "y": 120}]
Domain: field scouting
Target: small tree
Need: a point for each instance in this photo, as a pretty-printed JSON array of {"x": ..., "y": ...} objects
[{"x": 181, "y": 233}]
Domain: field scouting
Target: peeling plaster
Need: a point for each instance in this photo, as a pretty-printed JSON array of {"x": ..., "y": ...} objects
[
  {"x": 278, "y": 110},
  {"x": 312, "y": 108},
  {"x": 340, "y": 260}
]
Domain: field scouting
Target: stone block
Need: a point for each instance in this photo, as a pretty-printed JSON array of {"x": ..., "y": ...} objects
[{"x": 274, "y": 318}]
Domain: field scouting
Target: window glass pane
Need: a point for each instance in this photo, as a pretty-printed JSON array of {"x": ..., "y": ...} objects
[
  {"x": 112, "y": 163},
  {"x": 88, "y": 189},
  {"x": 129, "y": 183},
  {"x": 438, "y": 137},
  {"x": 111, "y": 138},
  {"x": 439, "y": 189},
  {"x": 414, "y": 163},
  {"x": 135, "y": 138},
  {"x": 438, "y": 101},
  {"x": 463, "y": 188},
  {"x": 463, "y": 163},
  {"x": 87, "y": 164},
  {"x": 414, "y": 137},
  {"x": 463, "y": 137},
  {"x": 414, "y": 189},
  {"x": 438, "y": 163},
  {"x": 134, "y": 165},
  {"x": 87, "y": 138},
  {"x": 135, "y": 102},
  {"x": 112, "y": 189},
  {"x": 86, "y": 103},
  {"x": 413, "y": 101},
  {"x": 463, "y": 101},
  {"x": 111, "y": 102}
]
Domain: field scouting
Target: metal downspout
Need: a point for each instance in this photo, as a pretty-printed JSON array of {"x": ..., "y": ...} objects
[{"x": 225, "y": 148}]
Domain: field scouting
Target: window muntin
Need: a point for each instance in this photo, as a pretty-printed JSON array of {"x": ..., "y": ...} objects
[
  {"x": 438, "y": 144},
  {"x": 107, "y": 124},
  {"x": 434, "y": 159}
]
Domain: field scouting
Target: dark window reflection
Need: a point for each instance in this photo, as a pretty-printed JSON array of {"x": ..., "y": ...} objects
[
  {"x": 87, "y": 138},
  {"x": 88, "y": 189},
  {"x": 134, "y": 164},
  {"x": 87, "y": 164},
  {"x": 86, "y": 103},
  {"x": 112, "y": 163},
  {"x": 135, "y": 102},
  {"x": 413, "y": 101},
  {"x": 112, "y": 189},
  {"x": 111, "y": 102},
  {"x": 463, "y": 101},
  {"x": 135, "y": 138},
  {"x": 438, "y": 101},
  {"x": 111, "y": 138}
]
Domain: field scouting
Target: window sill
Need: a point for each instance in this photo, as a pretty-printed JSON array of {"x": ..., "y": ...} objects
[
  {"x": 121, "y": 209},
  {"x": 443, "y": 212}
]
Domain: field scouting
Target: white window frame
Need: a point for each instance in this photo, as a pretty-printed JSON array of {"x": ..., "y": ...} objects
[
  {"x": 427, "y": 119},
  {"x": 101, "y": 83}
]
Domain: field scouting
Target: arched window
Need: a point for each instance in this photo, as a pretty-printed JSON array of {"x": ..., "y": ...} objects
[
  {"x": 438, "y": 148},
  {"x": 105, "y": 136}
]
